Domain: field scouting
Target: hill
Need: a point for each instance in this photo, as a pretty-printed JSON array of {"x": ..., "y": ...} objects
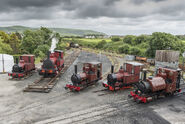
[{"x": 62, "y": 31}]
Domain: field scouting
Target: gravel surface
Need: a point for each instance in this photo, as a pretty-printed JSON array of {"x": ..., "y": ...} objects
[{"x": 61, "y": 106}]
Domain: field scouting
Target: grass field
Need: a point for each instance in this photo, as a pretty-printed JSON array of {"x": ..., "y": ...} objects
[{"x": 94, "y": 40}]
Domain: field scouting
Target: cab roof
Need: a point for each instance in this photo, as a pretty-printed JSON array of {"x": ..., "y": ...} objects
[
  {"x": 135, "y": 63},
  {"x": 58, "y": 51},
  {"x": 93, "y": 63},
  {"x": 27, "y": 55}
]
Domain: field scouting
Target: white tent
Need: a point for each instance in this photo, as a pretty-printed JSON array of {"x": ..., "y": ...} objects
[{"x": 6, "y": 63}]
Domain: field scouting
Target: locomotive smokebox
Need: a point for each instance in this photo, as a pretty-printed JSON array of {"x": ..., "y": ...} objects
[
  {"x": 112, "y": 79},
  {"x": 112, "y": 69},
  {"x": 76, "y": 69},
  {"x": 76, "y": 79},
  {"x": 16, "y": 60}
]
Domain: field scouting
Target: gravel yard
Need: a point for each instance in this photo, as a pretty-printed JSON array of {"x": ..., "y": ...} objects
[{"x": 61, "y": 106}]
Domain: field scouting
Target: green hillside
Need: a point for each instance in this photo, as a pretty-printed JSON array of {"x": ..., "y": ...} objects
[{"x": 62, "y": 31}]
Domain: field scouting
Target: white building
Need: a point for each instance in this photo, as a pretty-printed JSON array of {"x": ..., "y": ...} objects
[{"x": 6, "y": 63}]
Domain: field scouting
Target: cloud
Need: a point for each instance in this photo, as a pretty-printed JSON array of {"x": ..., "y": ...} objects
[{"x": 126, "y": 16}]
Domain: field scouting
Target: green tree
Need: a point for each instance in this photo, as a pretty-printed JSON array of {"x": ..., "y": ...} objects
[
  {"x": 161, "y": 41},
  {"x": 124, "y": 49},
  {"x": 141, "y": 39},
  {"x": 129, "y": 39},
  {"x": 33, "y": 39},
  {"x": 5, "y": 37},
  {"x": 101, "y": 44},
  {"x": 115, "y": 39},
  {"x": 15, "y": 43},
  {"x": 135, "y": 51},
  {"x": 5, "y": 48}
]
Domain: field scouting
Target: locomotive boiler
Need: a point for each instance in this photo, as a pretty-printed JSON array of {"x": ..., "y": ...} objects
[
  {"x": 165, "y": 83},
  {"x": 52, "y": 65},
  {"x": 23, "y": 67},
  {"x": 92, "y": 72},
  {"x": 127, "y": 75}
]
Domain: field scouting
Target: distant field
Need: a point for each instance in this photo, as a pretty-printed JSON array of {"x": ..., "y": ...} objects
[
  {"x": 94, "y": 40},
  {"x": 88, "y": 40}
]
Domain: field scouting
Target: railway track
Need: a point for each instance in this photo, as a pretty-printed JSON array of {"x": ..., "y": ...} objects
[
  {"x": 114, "y": 62},
  {"x": 95, "y": 113},
  {"x": 45, "y": 85},
  {"x": 90, "y": 114}
]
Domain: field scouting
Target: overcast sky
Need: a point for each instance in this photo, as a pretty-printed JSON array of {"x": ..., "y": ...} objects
[{"x": 108, "y": 16}]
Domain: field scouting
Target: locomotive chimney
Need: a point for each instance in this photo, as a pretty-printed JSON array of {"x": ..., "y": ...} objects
[
  {"x": 144, "y": 74},
  {"x": 48, "y": 54},
  {"x": 16, "y": 60},
  {"x": 75, "y": 69},
  {"x": 112, "y": 69}
]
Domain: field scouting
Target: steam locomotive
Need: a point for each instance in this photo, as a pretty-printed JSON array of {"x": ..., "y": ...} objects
[
  {"x": 126, "y": 76},
  {"x": 23, "y": 67},
  {"x": 52, "y": 65},
  {"x": 165, "y": 83},
  {"x": 92, "y": 72}
]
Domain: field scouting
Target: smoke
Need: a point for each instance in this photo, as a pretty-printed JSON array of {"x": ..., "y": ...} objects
[{"x": 53, "y": 44}]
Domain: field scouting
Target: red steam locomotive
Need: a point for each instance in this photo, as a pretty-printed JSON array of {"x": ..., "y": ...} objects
[
  {"x": 52, "y": 65},
  {"x": 165, "y": 83},
  {"x": 23, "y": 67},
  {"x": 92, "y": 72},
  {"x": 126, "y": 76}
]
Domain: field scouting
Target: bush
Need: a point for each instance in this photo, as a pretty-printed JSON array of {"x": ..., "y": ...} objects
[
  {"x": 124, "y": 49},
  {"x": 135, "y": 51},
  {"x": 101, "y": 44},
  {"x": 161, "y": 41},
  {"x": 129, "y": 39},
  {"x": 39, "y": 53},
  {"x": 141, "y": 39},
  {"x": 115, "y": 39}
]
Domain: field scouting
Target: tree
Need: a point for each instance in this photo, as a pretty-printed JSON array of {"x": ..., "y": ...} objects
[
  {"x": 161, "y": 41},
  {"x": 135, "y": 51},
  {"x": 15, "y": 43},
  {"x": 101, "y": 44},
  {"x": 115, "y": 39},
  {"x": 5, "y": 48},
  {"x": 5, "y": 37},
  {"x": 129, "y": 39},
  {"x": 141, "y": 39},
  {"x": 33, "y": 39},
  {"x": 124, "y": 49}
]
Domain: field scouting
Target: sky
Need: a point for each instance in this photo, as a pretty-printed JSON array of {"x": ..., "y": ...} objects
[{"x": 113, "y": 17}]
